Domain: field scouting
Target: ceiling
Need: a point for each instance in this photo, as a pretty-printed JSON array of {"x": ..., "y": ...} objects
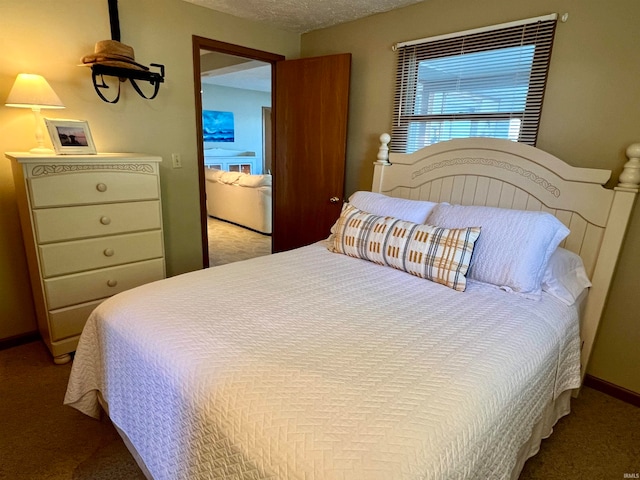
[
  {"x": 302, "y": 16},
  {"x": 250, "y": 75},
  {"x": 298, "y": 16}
]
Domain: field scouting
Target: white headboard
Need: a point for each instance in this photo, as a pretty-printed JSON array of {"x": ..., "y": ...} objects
[{"x": 506, "y": 174}]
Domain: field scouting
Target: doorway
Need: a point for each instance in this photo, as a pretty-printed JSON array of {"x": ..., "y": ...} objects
[{"x": 225, "y": 68}]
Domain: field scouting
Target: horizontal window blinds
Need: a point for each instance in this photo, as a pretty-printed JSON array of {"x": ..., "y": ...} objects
[{"x": 479, "y": 83}]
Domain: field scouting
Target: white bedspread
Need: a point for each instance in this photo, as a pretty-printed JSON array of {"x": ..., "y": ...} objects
[{"x": 313, "y": 365}]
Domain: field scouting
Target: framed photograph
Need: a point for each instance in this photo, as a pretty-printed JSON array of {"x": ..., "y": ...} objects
[{"x": 70, "y": 136}]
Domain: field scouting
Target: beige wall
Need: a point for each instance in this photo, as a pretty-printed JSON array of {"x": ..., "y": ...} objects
[
  {"x": 590, "y": 114},
  {"x": 49, "y": 38}
]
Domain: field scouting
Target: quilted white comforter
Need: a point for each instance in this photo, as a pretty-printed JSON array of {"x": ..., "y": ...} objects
[{"x": 313, "y": 365}]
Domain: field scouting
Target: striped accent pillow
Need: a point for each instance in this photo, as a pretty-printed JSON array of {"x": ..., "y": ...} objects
[{"x": 441, "y": 255}]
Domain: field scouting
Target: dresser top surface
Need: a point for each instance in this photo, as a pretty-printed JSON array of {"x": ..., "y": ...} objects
[{"x": 26, "y": 157}]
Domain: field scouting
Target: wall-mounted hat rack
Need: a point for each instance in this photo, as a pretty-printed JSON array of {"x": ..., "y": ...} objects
[{"x": 114, "y": 59}]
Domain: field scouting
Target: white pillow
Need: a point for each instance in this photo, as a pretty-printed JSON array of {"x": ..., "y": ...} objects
[
  {"x": 515, "y": 245},
  {"x": 212, "y": 174},
  {"x": 565, "y": 277},
  {"x": 415, "y": 211},
  {"x": 229, "y": 177},
  {"x": 254, "y": 180}
]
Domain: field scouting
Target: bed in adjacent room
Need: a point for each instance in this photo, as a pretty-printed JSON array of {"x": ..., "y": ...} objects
[{"x": 436, "y": 333}]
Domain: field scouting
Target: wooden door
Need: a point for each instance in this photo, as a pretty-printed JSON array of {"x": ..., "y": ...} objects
[{"x": 312, "y": 96}]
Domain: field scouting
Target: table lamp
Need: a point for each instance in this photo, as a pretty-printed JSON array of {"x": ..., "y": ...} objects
[{"x": 33, "y": 91}]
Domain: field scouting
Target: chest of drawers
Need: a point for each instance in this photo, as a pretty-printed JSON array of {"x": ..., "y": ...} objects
[{"x": 92, "y": 227}]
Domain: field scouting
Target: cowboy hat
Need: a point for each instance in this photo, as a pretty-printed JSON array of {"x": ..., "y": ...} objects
[{"x": 114, "y": 54}]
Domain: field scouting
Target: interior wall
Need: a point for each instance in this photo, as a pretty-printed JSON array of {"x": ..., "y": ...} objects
[
  {"x": 589, "y": 115},
  {"x": 50, "y": 38},
  {"x": 246, "y": 106}
]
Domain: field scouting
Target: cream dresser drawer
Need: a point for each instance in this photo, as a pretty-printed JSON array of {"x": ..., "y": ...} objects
[
  {"x": 67, "y": 322},
  {"x": 83, "y": 287},
  {"x": 72, "y": 223},
  {"x": 91, "y": 187},
  {"x": 70, "y": 257}
]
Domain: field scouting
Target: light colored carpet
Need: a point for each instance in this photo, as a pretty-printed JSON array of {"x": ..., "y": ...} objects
[
  {"x": 231, "y": 243},
  {"x": 40, "y": 439}
]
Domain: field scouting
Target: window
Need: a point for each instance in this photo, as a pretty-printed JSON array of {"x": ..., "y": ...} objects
[{"x": 482, "y": 83}]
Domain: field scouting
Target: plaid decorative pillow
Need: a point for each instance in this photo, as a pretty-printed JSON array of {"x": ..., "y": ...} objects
[{"x": 441, "y": 255}]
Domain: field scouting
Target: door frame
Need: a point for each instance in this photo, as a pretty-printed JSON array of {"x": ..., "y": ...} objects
[
  {"x": 202, "y": 43},
  {"x": 267, "y": 139}
]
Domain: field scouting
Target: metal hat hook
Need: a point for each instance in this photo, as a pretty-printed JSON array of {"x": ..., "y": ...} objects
[{"x": 103, "y": 85}]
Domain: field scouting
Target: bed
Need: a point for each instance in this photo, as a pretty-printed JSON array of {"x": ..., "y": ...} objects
[
  {"x": 342, "y": 364},
  {"x": 239, "y": 198}
]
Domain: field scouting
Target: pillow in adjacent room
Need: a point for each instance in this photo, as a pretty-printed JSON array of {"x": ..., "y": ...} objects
[
  {"x": 229, "y": 177},
  {"x": 515, "y": 245},
  {"x": 415, "y": 211},
  {"x": 565, "y": 277},
  {"x": 254, "y": 180},
  {"x": 213, "y": 174},
  {"x": 438, "y": 254}
]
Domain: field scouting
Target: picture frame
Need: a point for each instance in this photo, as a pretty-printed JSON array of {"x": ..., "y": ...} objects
[
  {"x": 218, "y": 126},
  {"x": 70, "y": 136}
]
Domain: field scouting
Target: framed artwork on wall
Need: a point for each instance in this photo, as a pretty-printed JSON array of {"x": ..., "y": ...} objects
[
  {"x": 70, "y": 136},
  {"x": 217, "y": 126}
]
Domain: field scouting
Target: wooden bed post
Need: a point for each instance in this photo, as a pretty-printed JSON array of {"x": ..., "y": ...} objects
[
  {"x": 383, "y": 161},
  {"x": 624, "y": 197},
  {"x": 630, "y": 176}
]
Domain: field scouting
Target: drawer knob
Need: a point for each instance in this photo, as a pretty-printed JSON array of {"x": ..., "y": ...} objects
[
  {"x": 105, "y": 220},
  {"x": 108, "y": 252},
  {"x": 101, "y": 187},
  {"x": 112, "y": 283}
]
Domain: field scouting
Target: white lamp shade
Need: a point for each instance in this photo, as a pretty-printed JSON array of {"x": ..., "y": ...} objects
[{"x": 32, "y": 91}]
